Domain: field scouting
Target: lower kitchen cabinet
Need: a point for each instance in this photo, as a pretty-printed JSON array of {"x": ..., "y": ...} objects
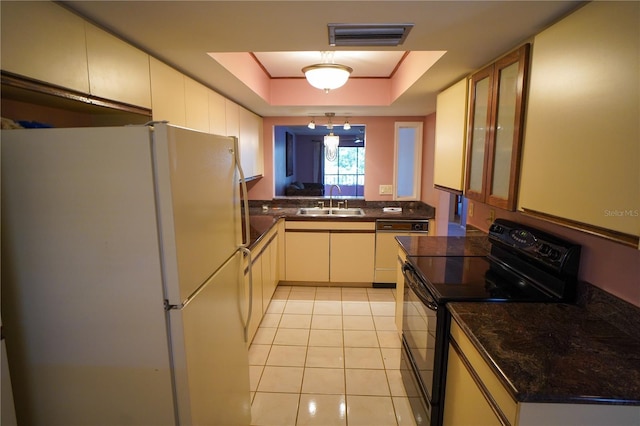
[
  {"x": 351, "y": 257},
  {"x": 264, "y": 274},
  {"x": 400, "y": 259},
  {"x": 307, "y": 256},
  {"x": 253, "y": 293},
  {"x": 336, "y": 252},
  {"x": 475, "y": 395}
]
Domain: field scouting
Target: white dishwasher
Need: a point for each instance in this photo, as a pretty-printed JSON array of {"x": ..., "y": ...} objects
[{"x": 387, "y": 247}]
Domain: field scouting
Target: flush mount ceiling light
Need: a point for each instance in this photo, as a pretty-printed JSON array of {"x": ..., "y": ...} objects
[{"x": 327, "y": 75}]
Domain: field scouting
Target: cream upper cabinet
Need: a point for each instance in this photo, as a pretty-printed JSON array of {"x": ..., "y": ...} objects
[
  {"x": 217, "y": 113},
  {"x": 54, "y": 40},
  {"x": 581, "y": 151},
  {"x": 196, "y": 105},
  {"x": 250, "y": 141},
  {"x": 117, "y": 70},
  {"x": 232, "y": 118},
  {"x": 167, "y": 94},
  {"x": 451, "y": 134}
]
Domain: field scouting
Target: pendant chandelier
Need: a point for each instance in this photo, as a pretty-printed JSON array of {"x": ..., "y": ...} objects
[
  {"x": 331, "y": 141},
  {"x": 327, "y": 75}
]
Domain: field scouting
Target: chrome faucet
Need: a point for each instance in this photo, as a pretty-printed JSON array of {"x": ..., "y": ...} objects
[{"x": 331, "y": 195}]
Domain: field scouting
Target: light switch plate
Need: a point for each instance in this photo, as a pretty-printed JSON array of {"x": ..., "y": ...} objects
[{"x": 386, "y": 189}]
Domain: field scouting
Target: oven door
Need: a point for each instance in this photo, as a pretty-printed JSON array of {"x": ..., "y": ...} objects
[{"x": 424, "y": 340}]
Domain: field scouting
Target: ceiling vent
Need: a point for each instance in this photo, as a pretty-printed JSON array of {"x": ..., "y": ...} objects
[{"x": 368, "y": 34}]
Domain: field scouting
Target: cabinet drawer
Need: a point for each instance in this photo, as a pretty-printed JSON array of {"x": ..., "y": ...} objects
[{"x": 501, "y": 396}]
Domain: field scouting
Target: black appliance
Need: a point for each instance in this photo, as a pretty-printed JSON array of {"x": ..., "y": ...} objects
[{"x": 524, "y": 265}]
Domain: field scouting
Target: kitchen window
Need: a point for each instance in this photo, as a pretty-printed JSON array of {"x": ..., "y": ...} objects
[
  {"x": 408, "y": 160},
  {"x": 347, "y": 171}
]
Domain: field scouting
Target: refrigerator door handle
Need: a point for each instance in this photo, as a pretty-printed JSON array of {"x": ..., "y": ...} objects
[
  {"x": 244, "y": 195},
  {"x": 247, "y": 252},
  {"x": 247, "y": 234}
]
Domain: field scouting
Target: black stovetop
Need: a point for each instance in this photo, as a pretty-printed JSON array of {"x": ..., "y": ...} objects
[{"x": 474, "y": 279}]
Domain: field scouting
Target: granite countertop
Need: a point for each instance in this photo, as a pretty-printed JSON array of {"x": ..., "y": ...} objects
[
  {"x": 475, "y": 245},
  {"x": 555, "y": 353},
  {"x": 261, "y": 221}
]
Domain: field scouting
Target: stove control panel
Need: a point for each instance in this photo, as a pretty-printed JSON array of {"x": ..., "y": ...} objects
[{"x": 535, "y": 244}]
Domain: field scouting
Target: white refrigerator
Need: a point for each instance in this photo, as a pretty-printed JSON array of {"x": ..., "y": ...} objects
[{"x": 122, "y": 284}]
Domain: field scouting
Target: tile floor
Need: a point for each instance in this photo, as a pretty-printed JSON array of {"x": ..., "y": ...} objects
[{"x": 328, "y": 356}]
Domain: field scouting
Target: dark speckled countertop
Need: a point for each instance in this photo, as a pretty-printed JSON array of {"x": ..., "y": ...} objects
[
  {"x": 261, "y": 221},
  {"x": 477, "y": 245},
  {"x": 556, "y": 353}
]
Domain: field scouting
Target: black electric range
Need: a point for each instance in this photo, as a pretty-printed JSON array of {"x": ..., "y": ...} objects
[{"x": 523, "y": 265}]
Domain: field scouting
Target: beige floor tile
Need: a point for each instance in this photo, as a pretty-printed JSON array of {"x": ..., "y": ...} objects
[
  {"x": 258, "y": 354},
  {"x": 391, "y": 358},
  {"x": 295, "y": 321},
  {"x": 363, "y": 358},
  {"x": 357, "y": 322},
  {"x": 270, "y": 409},
  {"x": 327, "y": 307},
  {"x": 270, "y": 320},
  {"x": 385, "y": 323},
  {"x": 324, "y": 357},
  {"x": 317, "y": 344},
  {"x": 404, "y": 414},
  {"x": 356, "y": 308},
  {"x": 276, "y": 306},
  {"x": 291, "y": 336},
  {"x": 326, "y": 338},
  {"x": 281, "y": 379},
  {"x": 389, "y": 339},
  {"x": 255, "y": 372},
  {"x": 326, "y": 322},
  {"x": 370, "y": 410},
  {"x": 287, "y": 356},
  {"x": 366, "y": 382},
  {"x": 302, "y": 293},
  {"x": 281, "y": 292},
  {"x": 264, "y": 336},
  {"x": 395, "y": 383},
  {"x": 322, "y": 410},
  {"x": 299, "y": 307},
  {"x": 360, "y": 339},
  {"x": 381, "y": 295},
  {"x": 354, "y": 294},
  {"x": 323, "y": 381},
  {"x": 329, "y": 293},
  {"x": 387, "y": 309}
]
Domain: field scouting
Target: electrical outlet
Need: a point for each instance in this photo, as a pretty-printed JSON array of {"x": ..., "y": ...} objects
[
  {"x": 386, "y": 189},
  {"x": 470, "y": 209},
  {"x": 492, "y": 215}
]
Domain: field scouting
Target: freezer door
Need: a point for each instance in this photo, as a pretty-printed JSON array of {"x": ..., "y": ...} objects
[
  {"x": 210, "y": 358},
  {"x": 199, "y": 206}
]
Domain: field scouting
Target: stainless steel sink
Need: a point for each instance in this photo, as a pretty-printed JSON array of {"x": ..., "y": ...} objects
[{"x": 334, "y": 212}]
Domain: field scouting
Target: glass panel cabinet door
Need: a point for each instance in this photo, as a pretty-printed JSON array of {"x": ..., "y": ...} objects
[
  {"x": 495, "y": 130},
  {"x": 481, "y": 85},
  {"x": 504, "y": 131},
  {"x": 510, "y": 76}
]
